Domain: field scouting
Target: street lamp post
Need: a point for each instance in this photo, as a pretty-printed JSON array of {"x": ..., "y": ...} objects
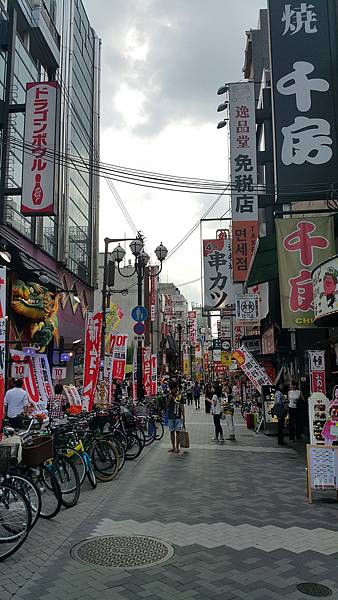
[{"x": 141, "y": 261}]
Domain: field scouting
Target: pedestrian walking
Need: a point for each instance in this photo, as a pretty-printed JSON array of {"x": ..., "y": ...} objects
[
  {"x": 176, "y": 417},
  {"x": 295, "y": 397},
  {"x": 208, "y": 396},
  {"x": 280, "y": 410},
  {"x": 57, "y": 404},
  {"x": 216, "y": 410},
  {"x": 197, "y": 395},
  {"x": 229, "y": 411},
  {"x": 16, "y": 403}
]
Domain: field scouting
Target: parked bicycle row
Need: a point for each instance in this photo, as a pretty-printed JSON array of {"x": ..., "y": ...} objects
[{"x": 43, "y": 467}]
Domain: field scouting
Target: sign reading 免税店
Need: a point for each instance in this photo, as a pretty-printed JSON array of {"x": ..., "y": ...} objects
[{"x": 41, "y": 143}]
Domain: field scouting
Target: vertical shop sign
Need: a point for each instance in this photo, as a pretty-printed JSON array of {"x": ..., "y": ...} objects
[
  {"x": 192, "y": 323},
  {"x": 153, "y": 374},
  {"x": 301, "y": 245},
  {"x": 217, "y": 265},
  {"x": 303, "y": 73},
  {"x": 135, "y": 374},
  {"x": 152, "y": 292},
  {"x": 317, "y": 371},
  {"x": 243, "y": 164},
  {"x": 2, "y": 340},
  {"x": 92, "y": 358},
  {"x": 119, "y": 345},
  {"x": 39, "y": 179},
  {"x": 146, "y": 354}
]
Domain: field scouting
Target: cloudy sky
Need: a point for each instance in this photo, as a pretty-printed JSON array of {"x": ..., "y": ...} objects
[{"x": 162, "y": 63}]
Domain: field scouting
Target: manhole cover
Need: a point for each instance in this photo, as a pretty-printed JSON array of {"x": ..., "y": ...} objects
[
  {"x": 123, "y": 551},
  {"x": 314, "y": 589}
]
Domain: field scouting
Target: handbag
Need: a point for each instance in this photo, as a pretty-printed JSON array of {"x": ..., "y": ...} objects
[{"x": 184, "y": 439}]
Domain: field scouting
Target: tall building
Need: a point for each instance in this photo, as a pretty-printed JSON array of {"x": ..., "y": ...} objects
[{"x": 45, "y": 40}]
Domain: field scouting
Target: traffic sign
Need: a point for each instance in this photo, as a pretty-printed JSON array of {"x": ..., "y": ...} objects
[
  {"x": 139, "y": 313},
  {"x": 139, "y": 328}
]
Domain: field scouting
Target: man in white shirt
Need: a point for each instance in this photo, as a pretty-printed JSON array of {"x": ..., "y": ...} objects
[{"x": 16, "y": 401}]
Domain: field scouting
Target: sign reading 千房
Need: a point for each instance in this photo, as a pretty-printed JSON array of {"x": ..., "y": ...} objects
[
  {"x": 303, "y": 74},
  {"x": 39, "y": 178},
  {"x": 301, "y": 245},
  {"x": 218, "y": 288},
  {"x": 243, "y": 165}
]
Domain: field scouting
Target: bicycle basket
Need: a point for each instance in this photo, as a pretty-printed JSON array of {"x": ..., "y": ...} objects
[{"x": 37, "y": 450}]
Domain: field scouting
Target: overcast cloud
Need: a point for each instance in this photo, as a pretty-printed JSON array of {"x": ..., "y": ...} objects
[{"x": 162, "y": 62}]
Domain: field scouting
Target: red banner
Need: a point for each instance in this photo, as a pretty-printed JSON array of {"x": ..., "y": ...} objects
[
  {"x": 135, "y": 374},
  {"x": 119, "y": 349},
  {"x": 244, "y": 237},
  {"x": 92, "y": 358},
  {"x": 153, "y": 391},
  {"x": 146, "y": 354}
]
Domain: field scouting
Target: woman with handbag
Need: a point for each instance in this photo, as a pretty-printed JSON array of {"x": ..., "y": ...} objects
[{"x": 280, "y": 411}]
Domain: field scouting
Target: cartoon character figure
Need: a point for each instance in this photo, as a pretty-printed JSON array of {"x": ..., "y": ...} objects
[
  {"x": 329, "y": 285},
  {"x": 333, "y": 419}
]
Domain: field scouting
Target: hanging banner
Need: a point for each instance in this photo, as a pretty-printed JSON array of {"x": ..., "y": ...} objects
[
  {"x": 192, "y": 324},
  {"x": 92, "y": 358},
  {"x": 247, "y": 309},
  {"x": 254, "y": 371},
  {"x": 317, "y": 371},
  {"x": 325, "y": 292},
  {"x": 152, "y": 292},
  {"x": 2, "y": 340},
  {"x": 73, "y": 395},
  {"x": 135, "y": 374},
  {"x": 303, "y": 77},
  {"x": 217, "y": 266},
  {"x": 38, "y": 383},
  {"x": 153, "y": 375},
  {"x": 39, "y": 173},
  {"x": 59, "y": 373},
  {"x": 238, "y": 333},
  {"x": 301, "y": 245},
  {"x": 146, "y": 354},
  {"x": 119, "y": 356},
  {"x": 243, "y": 165}
]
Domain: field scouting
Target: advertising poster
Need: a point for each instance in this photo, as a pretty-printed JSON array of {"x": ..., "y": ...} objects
[
  {"x": 317, "y": 371},
  {"x": 92, "y": 358},
  {"x": 318, "y": 407},
  {"x": 146, "y": 354},
  {"x": 325, "y": 290},
  {"x": 38, "y": 383},
  {"x": 217, "y": 266},
  {"x": 153, "y": 374},
  {"x": 119, "y": 345},
  {"x": 254, "y": 371}
]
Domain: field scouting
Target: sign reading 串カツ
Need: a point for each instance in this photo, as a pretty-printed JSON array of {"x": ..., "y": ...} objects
[
  {"x": 243, "y": 164},
  {"x": 39, "y": 178},
  {"x": 301, "y": 245},
  {"x": 218, "y": 288},
  {"x": 303, "y": 74}
]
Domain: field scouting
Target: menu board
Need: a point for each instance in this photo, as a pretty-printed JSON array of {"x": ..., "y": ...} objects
[
  {"x": 322, "y": 468},
  {"x": 268, "y": 398},
  {"x": 318, "y": 406}
]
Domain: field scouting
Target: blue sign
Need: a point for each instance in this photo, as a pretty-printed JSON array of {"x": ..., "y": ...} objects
[
  {"x": 139, "y": 328},
  {"x": 139, "y": 313}
]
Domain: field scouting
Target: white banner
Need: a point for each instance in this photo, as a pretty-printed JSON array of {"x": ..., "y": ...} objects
[
  {"x": 254, "y": 371},
  {"x": 247, "y": 309},
  {"x": 38, "y": 384},
  {"x": 59, "y": 373},
  {"x": 217, "y": 265},
  {"x": 39, "y": 181},
  {"x": 192, "y": 322},
  {"x": 243, "y": 161}
]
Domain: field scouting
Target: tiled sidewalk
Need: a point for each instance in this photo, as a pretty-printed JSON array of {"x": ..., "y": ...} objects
[{"x": 236, "y": 514}]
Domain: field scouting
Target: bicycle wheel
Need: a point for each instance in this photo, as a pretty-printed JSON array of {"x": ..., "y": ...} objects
[
  {"x": 120, "y": 450},
  {"x": 78, "y": 460},
  {"x": 159, "y": 429},
  {"x": 134, "y": 447},
  {"x": 90, "y": 470},
  {"x": 105, "y": 459},
  {"x": 150, "y": 434},
  {"x": 49, "y": 489},
  {"x": 15, "y": 519},
  {"x": 68, "y": 478},
  {"x": 30, "y": 491}
]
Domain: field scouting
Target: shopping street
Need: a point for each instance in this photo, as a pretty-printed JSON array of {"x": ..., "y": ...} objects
[{"x": 236, "y": 516}]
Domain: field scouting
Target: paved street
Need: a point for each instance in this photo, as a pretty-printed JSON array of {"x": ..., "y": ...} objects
[{"x": 236, "y": 515}]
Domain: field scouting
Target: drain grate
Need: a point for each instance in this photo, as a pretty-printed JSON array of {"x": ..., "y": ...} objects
[
  {"x": 314, "y": 589},
  {"x": 123, "y": 551}
]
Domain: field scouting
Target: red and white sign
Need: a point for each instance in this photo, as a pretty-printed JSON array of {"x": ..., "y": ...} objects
[
  {"x": 192, "y": 323},
  {"x": 135, "y": 374},
  {"x": 317, "y": 371},
  {"x": 255, "y": 372},
  {"x": 92, "y": 358},
  {"x": 152, "y": 292},
  {"x": 39, "y": 180},
  {"x": 153, "y": 375},
  {"x": 119, "y": 351},
  {"x": 38, "y": 383},
  {"x": 59, "y": 373},
  {"x": 73, "y": 395},
  {"x": 2, "y": 339},
  {"x": 147, "y": 374},
  {"x": 19, "y": 370}
]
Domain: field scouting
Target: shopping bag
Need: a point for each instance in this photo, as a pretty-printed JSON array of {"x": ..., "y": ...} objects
[{"x": 184, "y": 439}]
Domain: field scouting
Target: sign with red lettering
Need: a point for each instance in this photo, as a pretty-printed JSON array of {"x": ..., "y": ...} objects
[
  {"x": 59, "y": 373},
  {"x": 192, "y": 324},
  {"x": 153, "y": 375},
  {"x": 119, "y": 352},
  {"x": 92, "y": 358},
  {"x": 317, "y": 371},
  {"x": 146, "y": 353},
  {"x": 19, "y": 370},
  {"x": 39, "y": 178},
  {"x": 254, "y": 371},
  {"x": 38, "y": 382}
]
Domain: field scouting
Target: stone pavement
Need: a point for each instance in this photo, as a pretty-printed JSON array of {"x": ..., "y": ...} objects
[{"x": 236, "y": 515}]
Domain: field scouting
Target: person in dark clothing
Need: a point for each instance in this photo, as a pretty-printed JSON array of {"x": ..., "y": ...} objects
[
  {"x": 208, "y": 396},
  {"x": 280, "y": 410},
  {"x": 197, "y": 395}
]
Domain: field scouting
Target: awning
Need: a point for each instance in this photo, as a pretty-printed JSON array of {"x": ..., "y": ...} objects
[{"x": 264, "y": 265}]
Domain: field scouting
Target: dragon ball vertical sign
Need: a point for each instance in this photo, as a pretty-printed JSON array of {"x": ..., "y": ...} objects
[
  {"x": 2, "y": 339},
  {"x": 301, "y": 245},
  {"x": 39, "y": 180},
  {"x": 243, "y": 162}
]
